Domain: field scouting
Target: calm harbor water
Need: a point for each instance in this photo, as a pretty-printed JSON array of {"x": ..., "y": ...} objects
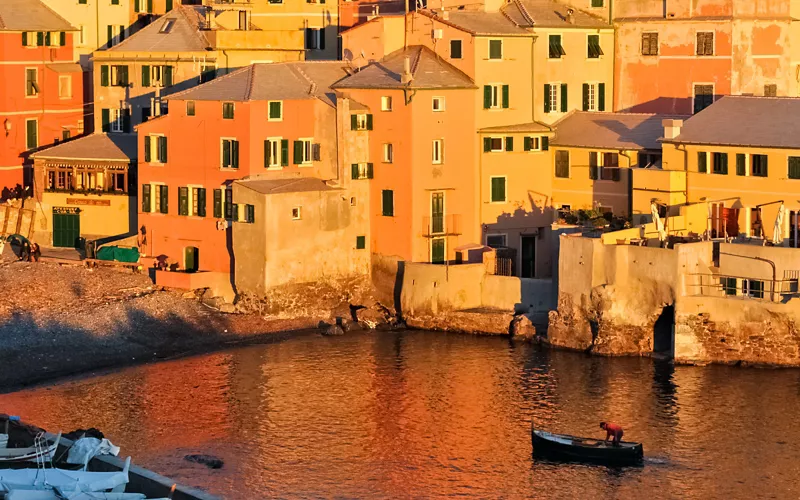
[{"x": 417, "y": 414}]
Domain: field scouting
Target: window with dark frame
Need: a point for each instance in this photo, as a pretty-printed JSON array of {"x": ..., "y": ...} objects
[
  {"x": 562, "y": 164},
  {"x": 705, "y": 43},
  {"x": 593, "y": 49},
  {"x": 649, "y": 44},
  {"x": 495, "y": 49},
  {"x": 719, "y": 163},
  {"x": 758, "y": 165},
  {"x": 703, "y": 97},
  {"x": 556, "y": 50},
  {"x": 227, "y": 111},
  {"x": 455, "y": 49},
  {"x": 794, "y": 167},
  {"x": 771, "y": 90}
]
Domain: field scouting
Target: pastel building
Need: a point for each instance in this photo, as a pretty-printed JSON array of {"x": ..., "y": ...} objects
[
  {"x": 41, "y": 89},
  {"x": 424, "y": 177},
  {"x": 680, "y": 56}
]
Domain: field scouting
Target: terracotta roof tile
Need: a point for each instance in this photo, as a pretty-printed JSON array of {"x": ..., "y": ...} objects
[
  {"x": 30, "y": 15},
  {"x": 278, "y": 186},
  {"x": 610, "y": 130},
  {"x": 113, "y": 147},
  {"x": 182, "y": 36}
]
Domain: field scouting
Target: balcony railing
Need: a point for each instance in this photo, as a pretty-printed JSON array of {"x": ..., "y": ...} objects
[{"x": 441, "y": 225}]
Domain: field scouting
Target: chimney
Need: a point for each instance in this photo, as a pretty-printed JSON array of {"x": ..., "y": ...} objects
[
  {"x": 672, "y": 128},
  {"x": 313, "y": 89},
  {"x": 570, "y": 16},
  {"x": 406, "y": 77}
]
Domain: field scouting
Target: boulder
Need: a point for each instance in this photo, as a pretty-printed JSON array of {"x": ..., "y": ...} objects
[
  {"x": 522, "y": 328},
  {"x": 208, "y": 460},
  {"x": 330, "y": 330}
]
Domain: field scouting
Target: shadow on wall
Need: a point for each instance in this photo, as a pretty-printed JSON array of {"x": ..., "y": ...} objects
[
  {"x": 524, "y": 232},
  {"x": 666, "y": 105}
]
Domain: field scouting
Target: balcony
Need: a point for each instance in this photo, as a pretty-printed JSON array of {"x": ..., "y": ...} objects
[
  {"x": 441, "y": 225},
  {"x": 229, "y": 4}
]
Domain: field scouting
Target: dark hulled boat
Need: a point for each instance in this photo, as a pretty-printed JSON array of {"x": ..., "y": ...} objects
[{"x": 565, "y": 447}]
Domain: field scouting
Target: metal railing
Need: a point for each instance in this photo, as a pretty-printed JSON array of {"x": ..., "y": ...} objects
[
  {"x": 441, "y": 225},
  {"x": 721, "y": 285}
]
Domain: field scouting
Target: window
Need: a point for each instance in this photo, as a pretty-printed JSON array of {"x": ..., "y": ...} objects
[
  {"x": 218, "y": 203},
  {"x": 703, "y": 97},
  {"x": 455, "y": 49},
  {"x": 276, "y": 150},
  {"x": 753, "y": 288},
  {"x": 590, "y": 97},
  {"x": 146, "y": 200},
  {"x": 387, "y": 203},
  {"x": 597, "y": 3},
  {"x": 361, "y": 171},
  {"x": 315, "y": 38},
  {"x": 65, "y": 135},
  {"x": 771, "y": 90},
  {"x": 555, "y": 97},
  {"x": 719, "y": 163},
  {"x": 438, "y": 103},
  {"x": 562, "y": 164},
  {"x": 495, "y": 49},
  {"x": 229, "y": 205},
  {"x": 227, "y": 110},
  {"x": 32, "y": 133},
  {"x": 741, "y": 164},
  {"x": 230, "y": 153},
  {"x": 207, "y": 73},
  {"x": 167, "y": 26},
  {"x": 249, "y": 214},
  {"x": 297, "y": 213},
  {"x": 386, "y": 103},
  {"x": 728, "y": 285},
  {"x": 556, "y": 49},
  {"x": 495, "y": 240},
  {"x": 183, "y": 200},
  {"x": 388, "y": 153},
  {"x": 705, "y": 43},
  {"x": 156, "y": 76},
  {"x": 28, "y": 39},
  {"x": 759, "y": 165},
  {"x": 64, "y": 86},
  {"x": 31, "y": 82},
  {"x": 702, "y": 162},
  {"x": 437, "y": 157},
  {"x": 492, "y": 144},
  {"x": 494, "y": 96},
  {"x": 117, "y": 120},
  {"x": 794, "y": 167},
  {"x": 361, "y": 242},
  {"x": 532, "y": 144},
  {"x": 302, "y": 151},
  {"x": 161, "y": 149},
  {"x": 161, "y": 199},
  {"x": 498, "y": 190},
  {"x": 275, "y": 110},
  {"x": 361, "y": 122},
  {"x": 610, "y": 169},
  {"x": 190, "y": 108},
  {"x": 593, "y": 50},
  {"x": 509, "y": 144},
  {"x": 648, "y": 160}
]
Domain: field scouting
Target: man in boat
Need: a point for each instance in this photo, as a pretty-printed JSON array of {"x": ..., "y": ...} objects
[{"x": 612, "y": 430}]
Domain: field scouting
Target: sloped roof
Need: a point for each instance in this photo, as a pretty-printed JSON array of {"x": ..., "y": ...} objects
[
  {"x": 99, "y": 146},
  {"x": 183, "y": 36},
  {"x": 278, "y": 186},
  {"x": 768, "y": 122},
  {"x": 428, "y": 70},
  {"x": 480, "y": 23},
  {"x": 275, "y": 81},
  {"x": 519, "y": 127},
  {"x": 610, "y": 130},
  {"x": 30, "y": 15}
]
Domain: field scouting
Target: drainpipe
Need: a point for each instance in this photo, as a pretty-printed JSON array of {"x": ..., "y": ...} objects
[
  {"x": 622, "y": 152},
  {"x": 227, "y": 61},
  {"x": 533, "y": 77},
  {"x": 97, "y": 28}
]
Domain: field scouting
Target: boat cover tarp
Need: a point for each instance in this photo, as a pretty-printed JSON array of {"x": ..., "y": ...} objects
[
  {"x": 86, "y": 448},
  {"x": 119, "y": 254}
]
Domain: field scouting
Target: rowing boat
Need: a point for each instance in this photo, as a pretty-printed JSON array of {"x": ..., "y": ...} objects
[
  {"x": 582, "y": 449},
  {"x": 30, "y": 453}
]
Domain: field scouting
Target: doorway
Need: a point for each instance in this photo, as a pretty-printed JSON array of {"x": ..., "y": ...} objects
[
  {"x": 528, "y": 257},
  {"x": 664, "y": 332},
  {"x": 66, "y": 228},
  {"x": 437, "y": 251},
  {"x": 191, "y": 257}
]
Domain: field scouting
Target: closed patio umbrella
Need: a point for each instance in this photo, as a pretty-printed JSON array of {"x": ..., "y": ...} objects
[
  {"x": 658, "y": 222},
  {"x": 777, "y": 233}
]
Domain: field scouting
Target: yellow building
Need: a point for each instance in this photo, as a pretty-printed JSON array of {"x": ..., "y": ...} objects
[
  {"x": 82, "y": 189},
  {"x": 741, "y": 159}
]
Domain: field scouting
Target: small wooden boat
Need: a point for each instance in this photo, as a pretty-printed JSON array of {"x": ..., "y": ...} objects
[
  {"x": 64, "y": 480},
  {"x": 31, "y": 453},
  {"x": 581, "y": 449}
]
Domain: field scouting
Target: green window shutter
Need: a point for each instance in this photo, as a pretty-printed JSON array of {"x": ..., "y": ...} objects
[
  {"x": 168, "y": 6},
  {"x": 353, "y": 122},
  {"x": 266, "y": 154},
  {"x": 361, "y": 242},
  {"x": 164, "y": 200},
  {"x": 487, "y": 144},
  {"x": 354, "y": 171},
  {"x": 124, "y": 75},
  {"x": 546, "y": 97},
  {"x": 226, "y": 153},
  {"x": 218, "y": 203},
  {"x": 284, "y": 152},
  {"x": 527, "y": 143},
  {"x": 740, "y": 164},
  {"x": 724, "y": 163},
  {"x": 235, "y": 154},
  {"x": 136, "y": 6},
  {"x": 487, "y": 96},
  {"x": 62, "y": 38},
  {"x": 149, "y": 6},
  {"x": 298, "y": 152},
  {"x": 505, "y": 96},
  {"x": 39, "y": 38},
  {"x": 110, "y": 34},
  {"x": 183, "y": 200},
  {"x": 387, "y": 204},
  {"x": 794, "y": 167},
  {"x": 147, "y": 152},
  {"x": 564, "y": 98},
  {"x": 145, "y": 197},
  {"x": 498, "y": 189},
  {"x": 162, "y": 149},
  {"x": 601, "y": 96},
  {"x": 509, "y": 144},
  {"x": 701, "y": 162},
  {"x": 201, "y": 202},
  {"x": 167, "y": 76},
  {"x": 586, "y": 97},
  {"x": 593, "y": 169},
  {"x": 32, "y": 133},
  {"x": 545, "y": 143},
  {"x": 48, "y": 39},
  {"x": 369, "y": 171},
  {"x": 24, "y": 38},
  {"x": 104, "y": 75},
  {"x": 235, "y": 212},
  {"x": 146, "y": 75},
  {"x": 369, "y": 122},
  {"x": 106, "y": 119}
]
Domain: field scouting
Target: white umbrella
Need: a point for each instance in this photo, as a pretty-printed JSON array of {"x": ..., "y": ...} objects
[
  {"x": 777, "y": 233},
  {"x": 658, "y": 222}
]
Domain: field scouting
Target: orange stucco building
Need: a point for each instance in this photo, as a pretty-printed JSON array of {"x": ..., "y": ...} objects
[
  {"x": 423, "y": 192},
  {"x": 41, "y": 96},
  {"x": 681, "y": 56}
]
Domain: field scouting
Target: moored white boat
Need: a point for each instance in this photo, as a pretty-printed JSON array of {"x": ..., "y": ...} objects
[
  {"x": 31, "y": 453},
  {"x": 64, "y": 480},
  {"x": 79, "y": 495}
]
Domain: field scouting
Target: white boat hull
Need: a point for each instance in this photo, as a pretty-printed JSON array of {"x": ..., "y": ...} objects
[
  {"x": 28, "y": 454},
  {"x": 64, "y": 480}
]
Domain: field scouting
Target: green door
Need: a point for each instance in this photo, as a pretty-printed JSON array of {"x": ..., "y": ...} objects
[
  {"x": 437, "y": 213},
  {"x": 66, "y": 230},
  {"x": 437, "y": 251},
  {"x": 192, "y": 259},
  {"x": 528, "y": 257}
]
